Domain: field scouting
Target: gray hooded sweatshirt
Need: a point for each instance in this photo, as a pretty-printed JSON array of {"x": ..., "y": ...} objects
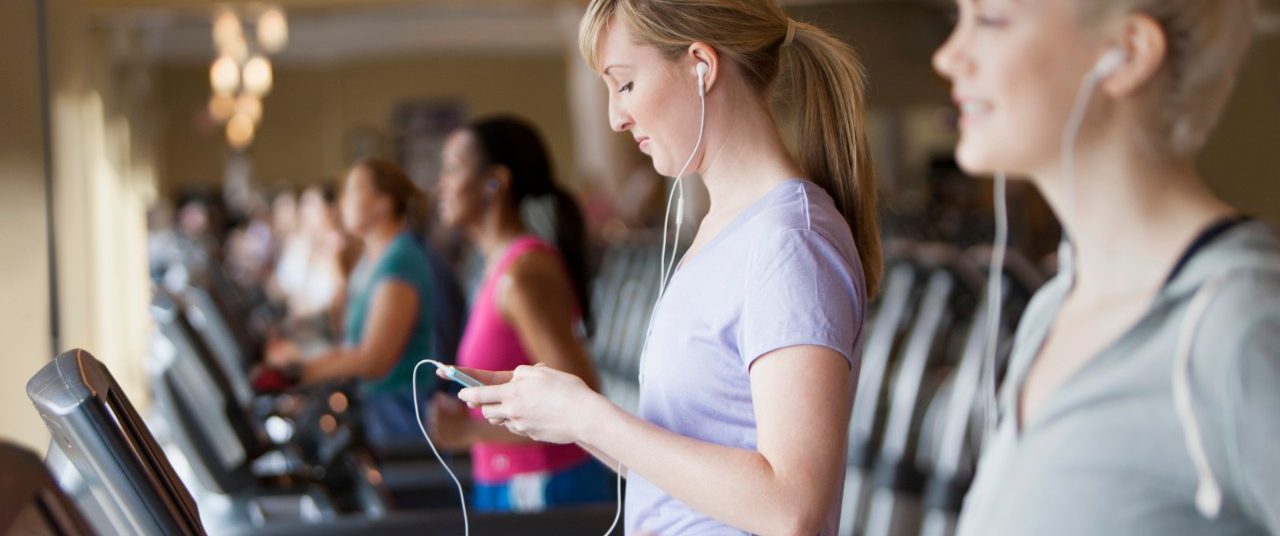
[{"x": 1107, "y": 453}]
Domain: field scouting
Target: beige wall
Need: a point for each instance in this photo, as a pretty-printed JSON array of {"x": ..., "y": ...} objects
[
  {"x": 102, "y": 182},
  {"x": 1242, "y": 159},
  {"x": 24, "y": 269},
  {"x": 312, "y": 108}
]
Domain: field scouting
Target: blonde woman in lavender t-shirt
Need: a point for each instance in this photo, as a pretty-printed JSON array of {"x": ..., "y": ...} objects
[{"x": 750, "y": 364}]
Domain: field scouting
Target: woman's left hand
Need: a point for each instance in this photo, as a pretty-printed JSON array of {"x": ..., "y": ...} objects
[
  {"x": 539, "y": 402},
  {"x": 449, "y": 422},
  {"x": 281, "y": 353}
]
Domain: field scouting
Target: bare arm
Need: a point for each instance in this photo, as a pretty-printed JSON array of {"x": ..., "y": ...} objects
[
  {"x": 392, "y": 315},
  {"x": 537, "y": 300},
  {"x": 536, "y": 297},
  {"x": 786, "y": 485}
]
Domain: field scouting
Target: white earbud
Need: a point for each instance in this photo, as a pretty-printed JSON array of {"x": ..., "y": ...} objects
[
  {"x": 1109, "y": 62},
  {"x": 702, "y": 78}
]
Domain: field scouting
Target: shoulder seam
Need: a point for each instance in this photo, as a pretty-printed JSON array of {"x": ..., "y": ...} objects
[{"x": 808, "y": 222}]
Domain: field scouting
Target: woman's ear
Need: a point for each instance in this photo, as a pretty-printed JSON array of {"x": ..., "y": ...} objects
[
  {"x": 700, "y": 52},
  {"x": 497, "y": 182},
  {"x": 383, "y": 206},
  {"x": 1146, "y": 47}
]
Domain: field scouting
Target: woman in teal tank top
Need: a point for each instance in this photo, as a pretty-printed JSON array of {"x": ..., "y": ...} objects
[{"x": 389, "y": 315}]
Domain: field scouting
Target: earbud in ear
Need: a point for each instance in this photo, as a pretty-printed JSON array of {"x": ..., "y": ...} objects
[
  {"x": 491, "y": 186},
  {"x": 702, "y": 68},
  {"x": 1109, "y": 62}
]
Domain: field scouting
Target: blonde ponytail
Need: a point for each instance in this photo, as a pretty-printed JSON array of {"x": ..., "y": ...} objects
[{"x": 830, "y": 88}]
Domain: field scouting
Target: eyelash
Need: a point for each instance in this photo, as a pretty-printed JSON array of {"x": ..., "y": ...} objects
[{"x": 626, "y": 87}]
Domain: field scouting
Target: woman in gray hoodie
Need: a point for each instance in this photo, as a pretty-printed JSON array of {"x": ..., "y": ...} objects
[{"x": 1143, "y": 394}]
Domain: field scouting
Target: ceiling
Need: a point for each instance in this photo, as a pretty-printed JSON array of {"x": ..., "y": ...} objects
[{"x": 333, "y": 31}]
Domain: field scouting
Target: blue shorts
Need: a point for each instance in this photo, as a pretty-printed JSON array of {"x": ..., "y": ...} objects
[
  {"x": 585, "y": 483},
  {"x": 389, "y": 421}
]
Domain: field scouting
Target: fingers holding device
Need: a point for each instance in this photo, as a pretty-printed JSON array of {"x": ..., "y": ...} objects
[{"x": 452, "y": 373}]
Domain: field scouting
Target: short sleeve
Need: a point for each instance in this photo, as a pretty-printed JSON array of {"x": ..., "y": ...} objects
[
  {"x": 1248, "y": 315},
  {"x": 404, "y": 264},
  {"x": 801, "y": 290}
]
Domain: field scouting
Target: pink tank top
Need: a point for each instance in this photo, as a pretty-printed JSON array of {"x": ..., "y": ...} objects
[{"x": 490, "y": 343}]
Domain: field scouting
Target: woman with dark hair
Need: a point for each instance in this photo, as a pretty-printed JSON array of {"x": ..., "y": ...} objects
[
  {"x": 529, "y": 310},
  {"x": 391, "y": 305}
]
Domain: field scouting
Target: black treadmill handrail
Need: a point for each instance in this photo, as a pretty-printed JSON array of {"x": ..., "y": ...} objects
[
  {"x": 223, "y": 343},
  {"x": 876, "y": 354},
  {"x": 170, "y": 315},
  {"x": 84, "y": 407},
  {"x": 919, "y": 347}
]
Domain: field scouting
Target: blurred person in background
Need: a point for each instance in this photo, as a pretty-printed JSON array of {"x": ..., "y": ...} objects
[
  {"x": 309, "y": 272},
  {"x": 252, "y": 247},
  {"x": 529, "y": 310},
  {"x": 390, "y": 310}
]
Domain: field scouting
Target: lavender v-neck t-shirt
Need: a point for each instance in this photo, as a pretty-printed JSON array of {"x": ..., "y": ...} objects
[{"x": 784, "y": 273}]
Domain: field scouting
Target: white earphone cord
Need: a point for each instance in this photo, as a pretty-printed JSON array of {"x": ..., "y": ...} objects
[
  {"x": 466, "y": 523},
  {"x": 1208, "y": 499},
  {"x": 1105, "y": 67},
  {"x": 995, "y": 302},
  {"x": 664, "y": 266},
  {"x": 1000, "y": 246},
  {"x": 617, "y": 513},
  {"x": 1001, "y": 242},
  {"x": 679, "y": 186}
]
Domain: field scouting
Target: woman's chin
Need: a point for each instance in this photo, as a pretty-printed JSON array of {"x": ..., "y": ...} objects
[
  {"x": 660, "y": 168},
  {"x": 975, "y": 160}
]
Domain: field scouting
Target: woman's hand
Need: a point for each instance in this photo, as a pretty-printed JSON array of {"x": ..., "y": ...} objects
[
  {"x": 451, "y": 427},
  {"x": 281, "y": 353},
  {"x": 537, "y": 402}
]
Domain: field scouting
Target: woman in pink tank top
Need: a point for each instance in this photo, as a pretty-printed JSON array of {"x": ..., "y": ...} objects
[{"x": 528, "y": 311}]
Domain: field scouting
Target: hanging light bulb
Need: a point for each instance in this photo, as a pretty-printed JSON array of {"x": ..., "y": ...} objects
[
  {"x": 249, "y": 106},
  {"x": 257, "y": 76},
  {"x": 227, "y": 29},
  {"x": 240, "y": 131},
  {"x": 224, "y": 75},
  {"x": 237, "y": 50},
  {"x": 221, "y": 106},
  {"x": 273, "y": 30}
]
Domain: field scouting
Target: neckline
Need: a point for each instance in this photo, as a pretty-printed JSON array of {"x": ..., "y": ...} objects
[
  {"x": 1207, "y": 235},
  {"x": 736, "y": 223},
  {"x": 1210, "y": 234}
]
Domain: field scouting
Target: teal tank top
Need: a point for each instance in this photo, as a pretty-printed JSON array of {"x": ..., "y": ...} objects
[{"x": 404, "y": 261}]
